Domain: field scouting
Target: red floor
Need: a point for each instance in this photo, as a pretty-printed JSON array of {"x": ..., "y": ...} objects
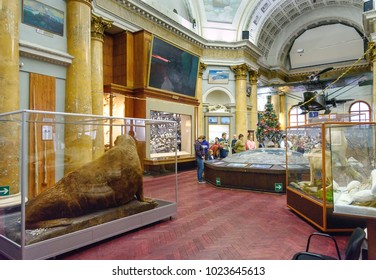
[{"x": 211, "y": 223}]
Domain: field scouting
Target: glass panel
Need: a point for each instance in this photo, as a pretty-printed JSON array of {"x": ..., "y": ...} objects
[
  {"x": 353, "y": 165},
  {"x": 60, "y": 177}
]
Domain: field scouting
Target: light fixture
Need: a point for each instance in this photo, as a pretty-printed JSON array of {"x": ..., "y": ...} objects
[{"x": 194, "y": 23}]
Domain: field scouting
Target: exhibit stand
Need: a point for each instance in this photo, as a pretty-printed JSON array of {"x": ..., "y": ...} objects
[
  {"x": 63, "y": 188},
  {"x": 340, "y": 192}
]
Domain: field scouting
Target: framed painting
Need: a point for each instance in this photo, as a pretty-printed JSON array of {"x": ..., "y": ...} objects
[
  {"x": 43, "y": 17},
  {"x": 218, "y": 77}
]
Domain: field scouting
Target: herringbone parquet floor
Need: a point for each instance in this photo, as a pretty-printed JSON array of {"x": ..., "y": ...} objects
[{"x": 211, "y": 223}]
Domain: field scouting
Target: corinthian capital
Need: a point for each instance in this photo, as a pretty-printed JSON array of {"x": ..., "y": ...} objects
[
  {"x": 240, "y": 71},
  {"x": 253, "y": 77},
  {"x": 98, "y": 26},
  {"x": 201, "y": 69}
]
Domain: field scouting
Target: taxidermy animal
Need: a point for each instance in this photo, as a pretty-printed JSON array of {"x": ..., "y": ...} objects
[
  {"x": 112, "y": 180},
  {"x": 315, "y": 164}
]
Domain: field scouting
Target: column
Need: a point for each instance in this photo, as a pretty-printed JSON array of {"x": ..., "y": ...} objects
[
  {"x": 253, "y": 76},
  {"x": 78, "y": 145},
  {"x": 371, "y": 223},
  {"x": 200, "y": 114},
  {"x": 372, "y": 59},
  {"x": 240, "y": 98},
  {"x": 98, "y": 26},
  {"x": 9, "y": 96}
]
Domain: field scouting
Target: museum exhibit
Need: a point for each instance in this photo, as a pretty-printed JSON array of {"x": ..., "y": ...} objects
[
  {"x": 185, "y": 129},
  {"x": 70, "y": 192}
]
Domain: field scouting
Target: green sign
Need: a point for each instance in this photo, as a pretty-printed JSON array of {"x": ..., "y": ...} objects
[
  {"x": 278, "y": 187},
  {"x": 217, "y": 181},
  {"x": 4, "y": 190}
]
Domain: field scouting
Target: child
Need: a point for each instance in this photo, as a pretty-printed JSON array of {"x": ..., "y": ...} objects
[{"x": 210, "y": 155}]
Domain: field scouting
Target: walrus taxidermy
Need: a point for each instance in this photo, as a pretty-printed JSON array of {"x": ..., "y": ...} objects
[{"x": 112, "y": 180}]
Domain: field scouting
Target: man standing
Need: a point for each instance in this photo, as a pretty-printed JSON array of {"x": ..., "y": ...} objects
[
  {"x": 223, "y": 142},
  {"x": 200, "y": 156}
]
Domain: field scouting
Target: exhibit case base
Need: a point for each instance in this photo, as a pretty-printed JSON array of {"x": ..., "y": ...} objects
[{"x": 62, "y": 188}]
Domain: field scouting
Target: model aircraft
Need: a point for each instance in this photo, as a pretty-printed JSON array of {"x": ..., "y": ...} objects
[{"x": 314, "y": 97}]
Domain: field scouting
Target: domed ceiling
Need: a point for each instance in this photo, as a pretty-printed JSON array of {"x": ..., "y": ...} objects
[{"x": 270, "y": 25}]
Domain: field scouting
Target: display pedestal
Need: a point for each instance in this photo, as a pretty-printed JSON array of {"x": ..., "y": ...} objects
[{"x": 69, "y": 241}]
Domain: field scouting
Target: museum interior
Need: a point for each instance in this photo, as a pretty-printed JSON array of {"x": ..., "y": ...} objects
[{"x": 103, "y": 101}]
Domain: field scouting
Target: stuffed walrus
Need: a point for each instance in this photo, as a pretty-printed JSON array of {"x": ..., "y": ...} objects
[{"x": 112, "y": 180}]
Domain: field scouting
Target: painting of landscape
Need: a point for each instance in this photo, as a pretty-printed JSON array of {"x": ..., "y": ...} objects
[{"x": 43, "y": 17}]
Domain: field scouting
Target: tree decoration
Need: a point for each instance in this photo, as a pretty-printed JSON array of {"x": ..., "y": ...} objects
[{"x": 268, "y": 127}]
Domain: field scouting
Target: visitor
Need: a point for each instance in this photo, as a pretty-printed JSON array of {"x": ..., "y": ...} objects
[
  {"x": 215, "y": 147},
  {"x": 233, "y": 141},
  {"x": 205, "y": 145},
  {"x": 240, "y": 144},
  {"x": 210, "y": 155},
  {"x": 250, "y": 144},
  {"x": 200, "y": 156},
  {"x": 224, "y": 148},
  {"x": 285, "y": 143}
]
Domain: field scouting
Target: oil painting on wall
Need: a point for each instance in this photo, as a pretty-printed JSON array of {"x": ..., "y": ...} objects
[{"x": 43, "y": 17}]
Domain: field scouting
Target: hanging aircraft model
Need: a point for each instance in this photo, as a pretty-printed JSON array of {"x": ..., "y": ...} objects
[
  {"x": 318, "y": 101},
  {"x": 314, "y": 96}
]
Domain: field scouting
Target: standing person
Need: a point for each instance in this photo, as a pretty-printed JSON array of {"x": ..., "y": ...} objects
[
  {"x": 223, "y": 142},
  {"x": 200, "y": 156},
  {"x": 250, "y": 143},
  {"x": 240, "y": 144},
  {"x": 233, "y": 141},
  {"x": 205, "y": 144}
]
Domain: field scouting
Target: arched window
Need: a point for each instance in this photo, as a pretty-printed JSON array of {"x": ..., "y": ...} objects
[
  {"x": 361, "y": 111},
  {"x": 296, "y": 117}
]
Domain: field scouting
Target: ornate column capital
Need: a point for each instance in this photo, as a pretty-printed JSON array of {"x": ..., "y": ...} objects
[
  {"x": 253, "y": 77},
  {"x": 201, "y": 69},
  {"x": 240, "y": 71},
  {"x": 98, "y": 26}
]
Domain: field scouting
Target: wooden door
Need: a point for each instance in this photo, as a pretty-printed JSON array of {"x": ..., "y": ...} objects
[{"x": 41, "y": 144}]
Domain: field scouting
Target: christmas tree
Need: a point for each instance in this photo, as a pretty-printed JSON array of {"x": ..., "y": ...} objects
[{"x": 268, "y": 127}]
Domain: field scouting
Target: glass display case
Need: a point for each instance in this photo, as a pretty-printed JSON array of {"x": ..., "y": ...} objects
[
  {"x": 64, "y": 186},
  {"x": 335, "y": 157}
]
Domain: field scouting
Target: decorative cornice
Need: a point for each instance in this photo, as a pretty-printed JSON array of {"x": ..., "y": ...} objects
[
  {"x": 149, "y": 13},
  {"x": 98, "y": 26},
  {"x": 38, "y": 52}
]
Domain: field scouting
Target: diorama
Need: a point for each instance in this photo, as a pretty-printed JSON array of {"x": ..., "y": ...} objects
[
  {"x": 261, "y": 169},
  {"x": 63, "y": 186},
  {"x": 339, "y": 186}
]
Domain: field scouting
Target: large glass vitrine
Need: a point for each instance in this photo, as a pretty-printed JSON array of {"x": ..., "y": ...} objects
[
  {"x": 339, "y": 154},
  {"x": 64, "y": 186}
]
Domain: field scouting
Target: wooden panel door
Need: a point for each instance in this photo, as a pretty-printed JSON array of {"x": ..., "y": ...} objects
[{"x": 42, "y": 96}]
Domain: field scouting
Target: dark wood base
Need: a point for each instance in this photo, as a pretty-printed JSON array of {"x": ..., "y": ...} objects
[{"x": 272, "y": 179}]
